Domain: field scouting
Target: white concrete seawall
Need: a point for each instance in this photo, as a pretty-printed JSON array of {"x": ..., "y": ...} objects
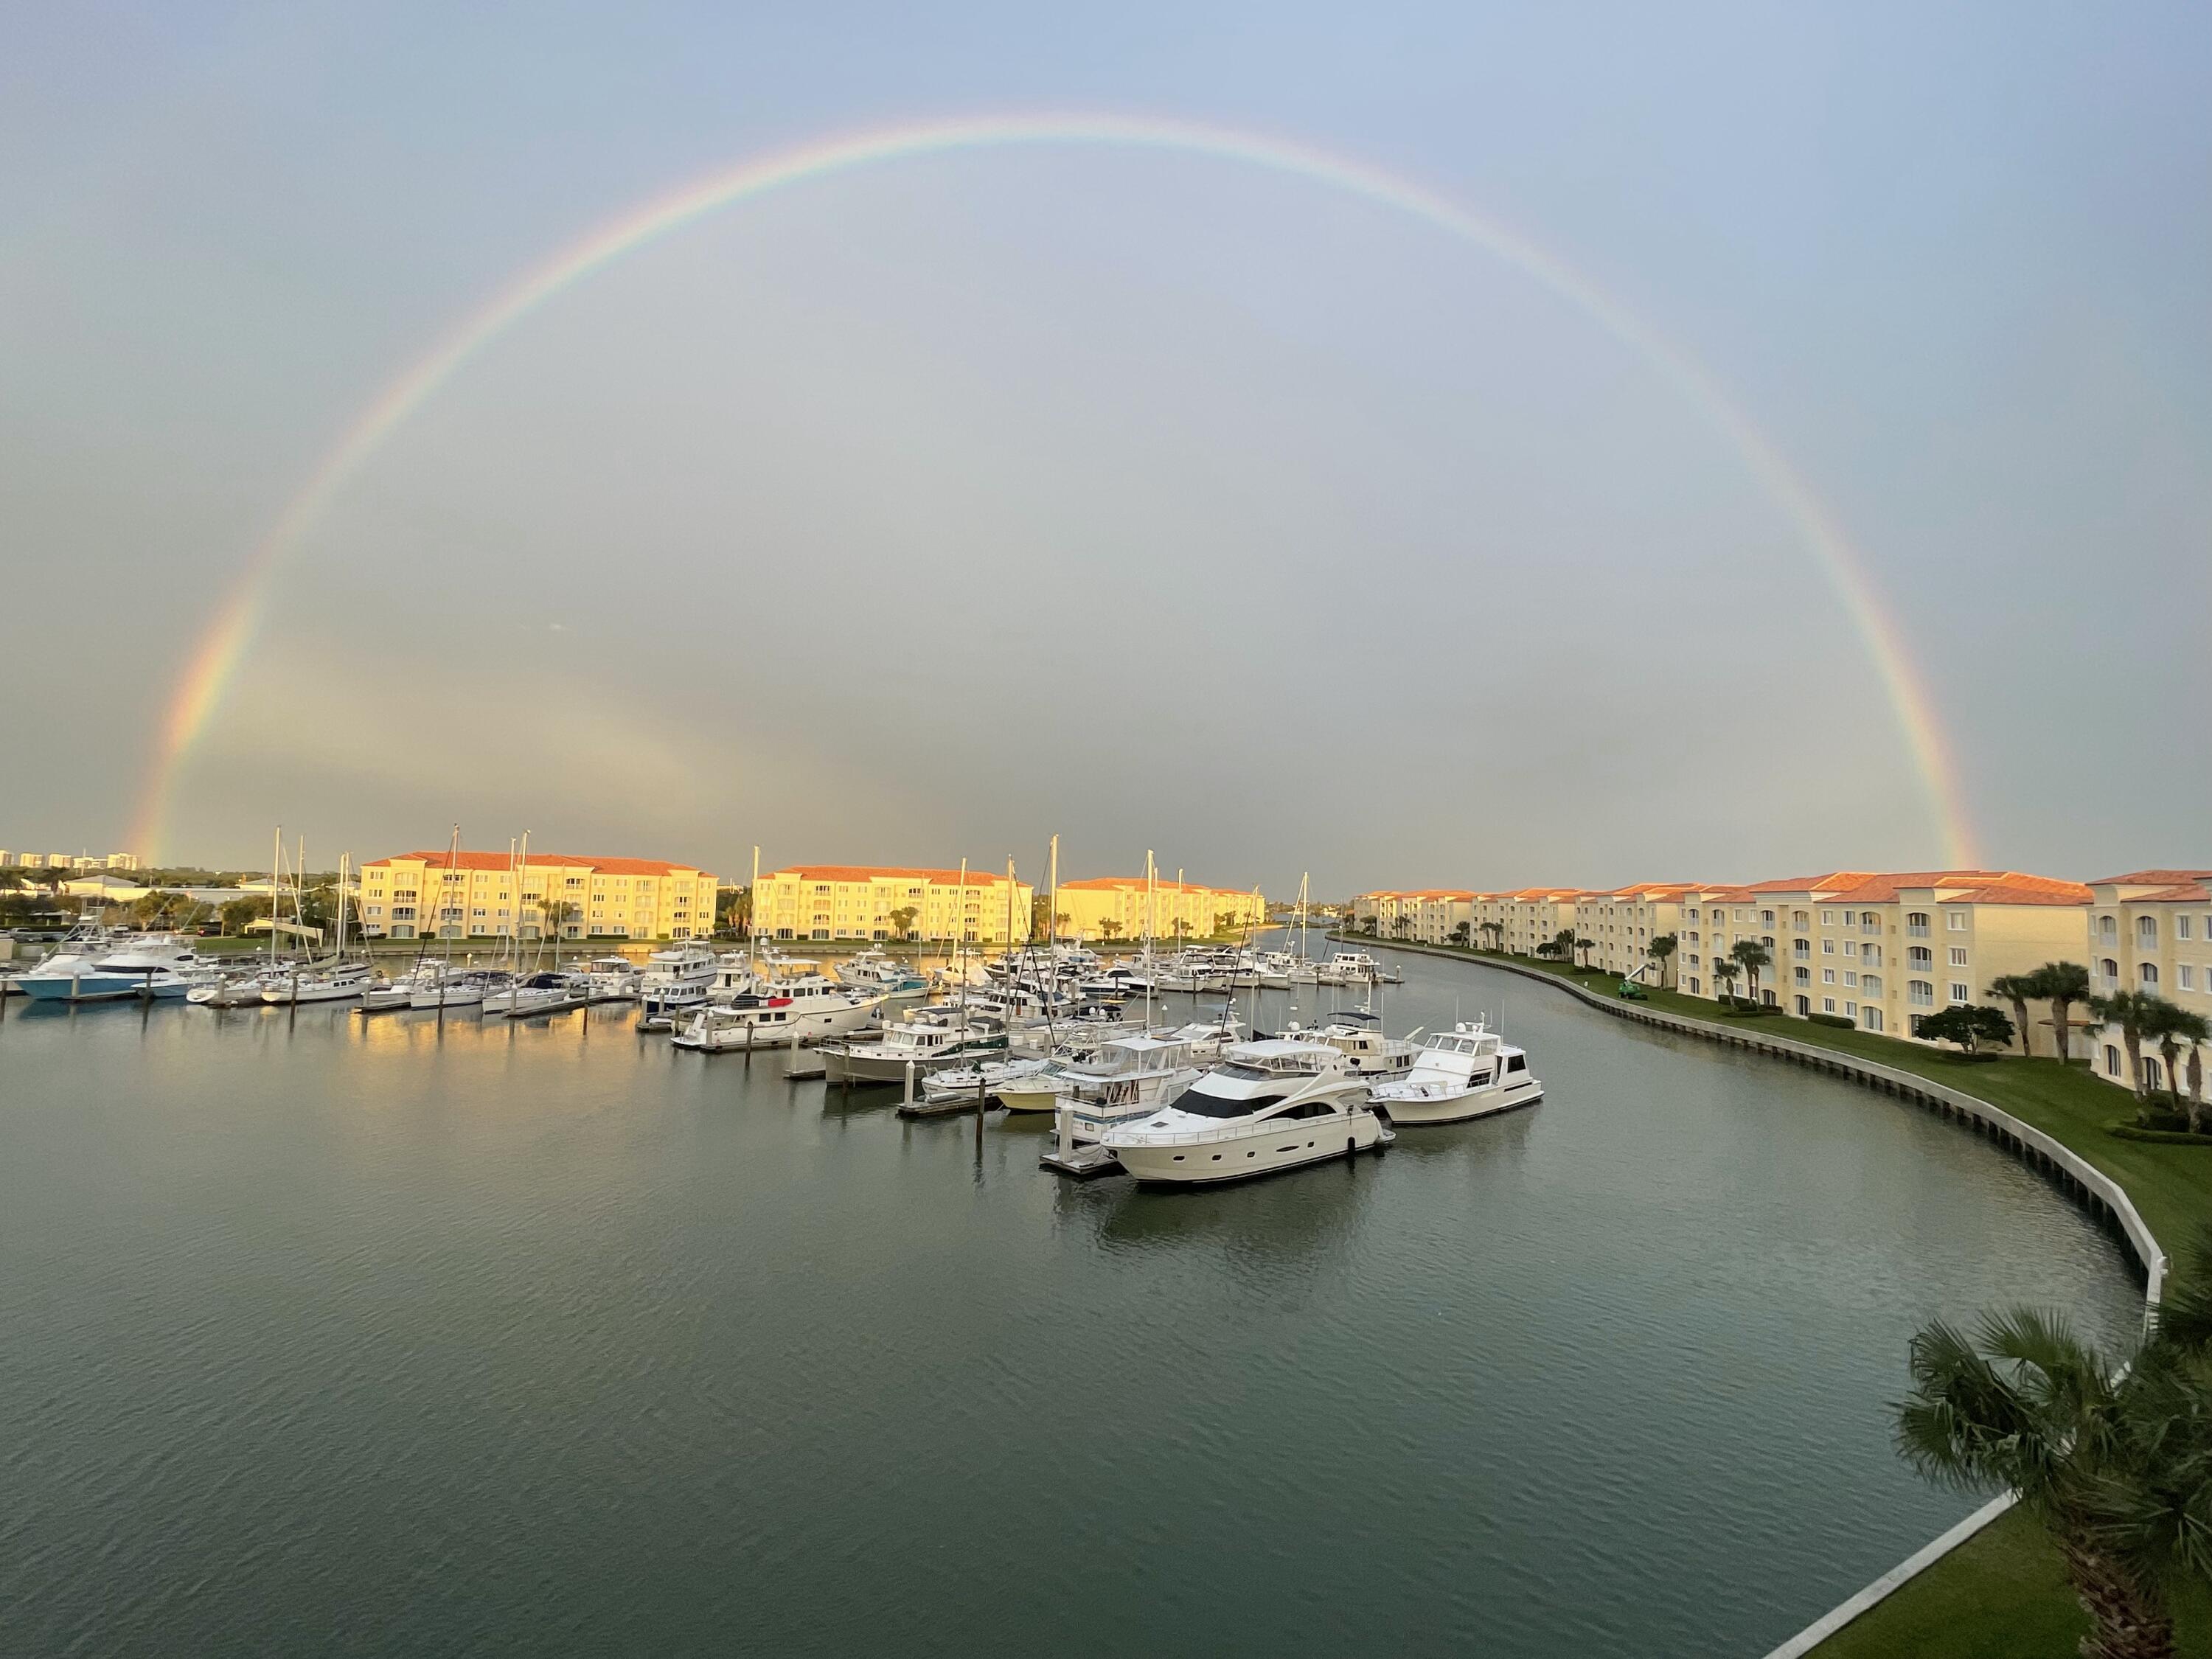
[{"x": 2086, "y": 1184}]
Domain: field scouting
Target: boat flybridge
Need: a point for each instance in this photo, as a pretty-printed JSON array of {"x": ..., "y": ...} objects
[
  {"x": 1355, "y": 968},
  {"x": 1358, "y": 1035},
  {"x": 1126, "y": 1080},
  {"x": 1465, "y": 1073},
  {"x": 1273, "y": 1104}
]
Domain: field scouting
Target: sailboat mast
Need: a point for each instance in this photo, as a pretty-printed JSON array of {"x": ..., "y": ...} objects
[
  {"x": 276, "y": 889},
  {"x": 1052, "y": 896},
  {"x": 753, "y": 914}
]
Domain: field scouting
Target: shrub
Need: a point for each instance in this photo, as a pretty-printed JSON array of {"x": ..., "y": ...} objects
[{"x": 1836, "y": 1020}]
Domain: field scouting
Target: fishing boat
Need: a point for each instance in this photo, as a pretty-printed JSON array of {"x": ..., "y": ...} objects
[
  {"x": 878, "y": 974},
  {"x": 1466, "y": 1072},
  {"x": 150, "y": 967}
]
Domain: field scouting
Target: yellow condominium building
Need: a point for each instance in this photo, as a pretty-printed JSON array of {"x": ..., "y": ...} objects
[
  {"x": 1621, "y": 924},
  {"x": 879, "y": 902},
  {"x": 2150, "y": 930},
  {"x": 1429, "y": 915},
  {"x": 1882, "y": 950},
  {"x": 1118, "y": 907},
  {"x": 480, "y": 895}
]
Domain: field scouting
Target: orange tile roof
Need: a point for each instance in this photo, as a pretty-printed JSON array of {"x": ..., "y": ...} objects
[
  {"x": 502, "y": 861},
  {"x": 2187, "y": 892},
  {"x": 1123, "y": 883},
  {"x": 2154, "y": 879},
  {"x": 892, "y": 871}
]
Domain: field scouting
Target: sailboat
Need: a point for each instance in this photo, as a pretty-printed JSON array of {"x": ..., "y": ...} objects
[{"x": 333, "y": 979}]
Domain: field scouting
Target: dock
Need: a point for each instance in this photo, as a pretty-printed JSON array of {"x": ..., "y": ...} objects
[
  {"x": 923, "y": 1106},
  {"x": 1085, "y": 1162}
]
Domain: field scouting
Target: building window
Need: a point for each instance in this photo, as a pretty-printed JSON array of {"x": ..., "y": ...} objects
[
  {"x": 1827, "y": 977},
  {"x": 2111, "y": 969},
  {"x": 1870, "y": 984},
  {"x": 1961, "y": 993},
  {"x": 1827, "y": 947},
  {"x": 1955, "y": 920},
  {"x": 1915, "y": 924},
  {"x": 2111, "y": 1059},
  {"x": 1920, "y": 993},
  {"x": 1850, "y": 1009},
  {"x": 1851, "y": 979},
  {"x": 2147, "y": 972},
  {"x": 1871, "y": 1019},
  {"x": 2181, "y": 928},
  {"x": 1957, "y": 955},
  {"x": 2147, "y": 932},
  {"x": 1827, "y": 1005},
  {"x": 1803, "y": 975},
  {"x": 2185, "y": 977}
]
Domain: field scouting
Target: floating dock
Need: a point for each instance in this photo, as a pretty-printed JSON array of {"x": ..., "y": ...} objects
[{"x": 1084, "y": 1162}]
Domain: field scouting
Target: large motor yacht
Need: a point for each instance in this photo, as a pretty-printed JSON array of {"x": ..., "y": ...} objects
[
  {"x": 1467, "y": 1072},
  {"x": 676, "y": 982},
  {"x": 929, "y": 1040},
  {"x": 1358, "y": 1035},
  {"x": 1123, "y": 1082},
  {"x": 155, "y": 967},
  {"x": 806, "y": 1008},
  {"x": 873, "y": 972},
  {"x": 1270, "y": 1105}
]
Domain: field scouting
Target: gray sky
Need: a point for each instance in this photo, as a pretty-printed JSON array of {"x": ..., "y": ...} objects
[{"x": 925, "y": 511}]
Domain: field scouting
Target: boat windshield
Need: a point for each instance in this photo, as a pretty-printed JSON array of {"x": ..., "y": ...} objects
[{"x": 1195, "y": 1100}]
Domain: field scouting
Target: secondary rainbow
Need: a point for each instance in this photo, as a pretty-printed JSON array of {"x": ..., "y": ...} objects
[{"x": 229, "y": 635}]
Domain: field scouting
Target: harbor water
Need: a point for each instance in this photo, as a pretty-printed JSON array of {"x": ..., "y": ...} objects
[{"x": 333, "y": 1335}]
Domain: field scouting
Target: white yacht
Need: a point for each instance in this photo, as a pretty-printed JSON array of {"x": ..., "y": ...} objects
[
  {"x": 1354, "y": 968},
  {"x": 874, "y": 971},
  {"x": 675, "y": 983},
  {"x": 1358, "y": 1035},
  {"x": 154, "y": 967},
  {"x": 613, "y": 979},
  {"x": 808, "y": 1007},
  {"x": 1124, "y": 1081},
  {"x": 930, "y": 1039},
  {"x": 1270, "y": 1105},
  {"x": 1467, "y": 1072}
]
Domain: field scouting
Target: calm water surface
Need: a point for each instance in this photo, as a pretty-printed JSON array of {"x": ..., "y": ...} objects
[{"x": 343, "y": 1335}]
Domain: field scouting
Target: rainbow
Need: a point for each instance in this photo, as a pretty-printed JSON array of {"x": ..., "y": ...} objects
[{"x": 229, "y": 635}]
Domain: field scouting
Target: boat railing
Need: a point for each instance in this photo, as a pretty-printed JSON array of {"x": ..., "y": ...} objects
[{"x": 1238, "y": 1130}]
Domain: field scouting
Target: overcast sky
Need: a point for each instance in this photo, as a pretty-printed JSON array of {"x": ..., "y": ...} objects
[{"x": 925, "y": 511}]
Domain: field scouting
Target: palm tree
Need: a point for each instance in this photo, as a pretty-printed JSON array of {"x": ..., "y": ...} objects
[
  {"x": 2174, "y": 1027},
  {"x": 1751, "y": 957},
  {"x": 1583, "y": 948},
  {"x": 1460, "y": 934},
  {"x": 2061, "y": 984},
  {"x": 902, "y": 919},
  {"x": 1496, "y": 931},
  {"x": 2017, "y": 989},
  {"x": 2135, "y": 1012},
  {"x": 2113, "y": 1461},
  {"x": 1724, "y": 973},
  {"x": 1563, "y": 945},
  {"x": 1662, "y": 951}
]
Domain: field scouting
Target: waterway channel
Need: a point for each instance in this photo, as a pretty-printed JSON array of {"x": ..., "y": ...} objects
[{"x": 343, "y": 1335}]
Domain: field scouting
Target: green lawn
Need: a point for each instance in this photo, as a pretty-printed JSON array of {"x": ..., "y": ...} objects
[{"x": 2001, "y": 1594}]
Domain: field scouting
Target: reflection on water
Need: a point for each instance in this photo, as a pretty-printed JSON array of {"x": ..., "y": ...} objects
[{"x": 322, "y": 1332}]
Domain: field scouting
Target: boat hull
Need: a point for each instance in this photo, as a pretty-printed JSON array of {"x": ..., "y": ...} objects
[
  {"x": 859, "y": 1063},
  {"x": 100, "y": 987},
  {"x": 1459, "y": 1107},
  {"x": 1291, "y": 1145}
]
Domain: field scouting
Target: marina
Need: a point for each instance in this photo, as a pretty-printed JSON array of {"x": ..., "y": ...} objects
[{"x": 1683, "y": 1276}]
